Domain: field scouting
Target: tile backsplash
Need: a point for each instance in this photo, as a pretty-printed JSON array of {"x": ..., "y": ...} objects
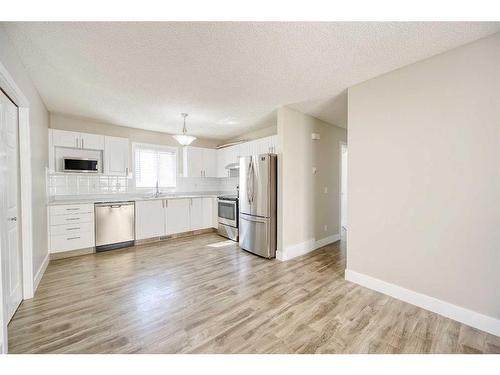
[{"x": 77, "y": 184}]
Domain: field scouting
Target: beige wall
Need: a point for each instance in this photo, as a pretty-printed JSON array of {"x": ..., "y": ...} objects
[
  {"x": 85, "y": 125},
  {"x": 256, "y": 134},
  {"x": 304, "y": 207},
  {"x": 424, "y": 177},
  {"x": 39, "y": 120},
  {"x": 81, "y": 124}
]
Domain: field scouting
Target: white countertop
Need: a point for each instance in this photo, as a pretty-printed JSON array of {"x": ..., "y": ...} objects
[{"x": 132, "y": 197}]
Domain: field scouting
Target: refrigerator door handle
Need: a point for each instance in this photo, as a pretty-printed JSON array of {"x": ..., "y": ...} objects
[{"x": 250, "y": 182}]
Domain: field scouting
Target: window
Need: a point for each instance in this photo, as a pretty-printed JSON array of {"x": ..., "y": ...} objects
[{"x": 155, "y": 163}]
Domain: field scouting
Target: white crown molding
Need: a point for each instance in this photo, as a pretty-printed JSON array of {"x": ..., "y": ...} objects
[{"x": 471, "y": 318}]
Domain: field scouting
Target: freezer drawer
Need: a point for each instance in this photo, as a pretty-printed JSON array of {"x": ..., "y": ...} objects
[
  {"x": 114, "y": 223},
  {"x": 256, "y": 236}
]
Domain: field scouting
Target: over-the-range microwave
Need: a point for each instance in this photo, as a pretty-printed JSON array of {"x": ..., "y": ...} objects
[{"x": 80, "y": 165}]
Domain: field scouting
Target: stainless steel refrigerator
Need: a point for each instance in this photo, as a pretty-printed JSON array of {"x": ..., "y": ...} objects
[{"x": 257, "y": 199}]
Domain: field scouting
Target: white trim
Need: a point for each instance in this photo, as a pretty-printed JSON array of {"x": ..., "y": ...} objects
[
  {"x": 305, "y": 247},
  {"x": 26, "y": 203},
  {"x": 471, "y": 318},
  {"x": 9, "y": 86},
  {"x": 40, "y": 272}
]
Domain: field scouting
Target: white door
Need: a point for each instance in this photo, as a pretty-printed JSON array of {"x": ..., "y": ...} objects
[
  {"x": 150, "y": 219},
  {"x": 116, "y": 156},
  {"x": 343, "y": 187},
  {"x": 207, "y": 212},
  {"x": 209, "y": 163},
  {"x": 196, "y": 213},
  {"x": 11, "y": 256},
  {"x": 63, "y": 138},
  {"x": 92, "y": 141},
  {"x": 193, "y": 161},
  {"x": 177, "y": 215}
]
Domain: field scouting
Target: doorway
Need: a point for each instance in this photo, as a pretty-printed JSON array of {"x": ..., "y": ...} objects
[
  {"x": 10, "y": 239},
  {"x": 343, "y": 186}
]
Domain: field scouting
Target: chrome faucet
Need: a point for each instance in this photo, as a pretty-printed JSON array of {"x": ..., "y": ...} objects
[{"x": 157, "y": 192}]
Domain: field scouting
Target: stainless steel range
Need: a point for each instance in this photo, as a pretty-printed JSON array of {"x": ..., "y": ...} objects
[{"x": 227, "y": 208}]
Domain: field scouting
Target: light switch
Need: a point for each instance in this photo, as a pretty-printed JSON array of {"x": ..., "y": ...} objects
[{"x": 326, "y": 189}]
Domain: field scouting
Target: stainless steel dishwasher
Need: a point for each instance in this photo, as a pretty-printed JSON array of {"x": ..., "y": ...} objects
[{"x": 114, "y": 225}]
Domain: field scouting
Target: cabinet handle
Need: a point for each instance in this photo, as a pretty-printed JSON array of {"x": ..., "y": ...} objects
[
  {"x": 166, "y": 203},
  {"x": 72, "y": 228},
  {"x": 126, "y": 171},
  {"x": 72, "y": 238},
  {"x": 73, "y": 218},
  {"x": 82, "y": 143},
  {"x": 72, "y": 209}
]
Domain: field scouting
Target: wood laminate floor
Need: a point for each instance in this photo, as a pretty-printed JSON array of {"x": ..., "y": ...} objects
[{"x": 203, "y": 294}]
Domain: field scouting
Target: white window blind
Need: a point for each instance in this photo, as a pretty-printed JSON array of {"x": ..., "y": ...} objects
[{"x": 155, "y": 163}]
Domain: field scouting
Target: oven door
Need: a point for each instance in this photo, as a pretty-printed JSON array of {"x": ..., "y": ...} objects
[{"x": 227, "y": 212}]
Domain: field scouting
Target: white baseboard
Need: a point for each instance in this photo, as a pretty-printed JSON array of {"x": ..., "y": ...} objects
[
  {"x": 471, "y": 318},
  {"x": 40, "y": 273},
  {"x": 305, "y": 247}
]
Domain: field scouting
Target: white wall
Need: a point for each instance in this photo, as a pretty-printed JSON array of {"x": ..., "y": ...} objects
[
  {"x": 39, "y": 121},
  {"x": 424, "y": 178},
  {"x": 303, "y": 206}
]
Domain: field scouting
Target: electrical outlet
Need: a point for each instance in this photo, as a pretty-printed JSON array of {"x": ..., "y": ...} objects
[{"x": 315, "y": 170}]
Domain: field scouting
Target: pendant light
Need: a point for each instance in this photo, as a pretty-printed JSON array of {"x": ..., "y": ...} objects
[{"x": 183, "y": 138}]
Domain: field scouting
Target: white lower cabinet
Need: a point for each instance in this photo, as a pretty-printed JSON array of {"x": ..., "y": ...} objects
[
  {"x": 164, "y": 217},
  {"x": 196, "y": 214},
  {"x": 150, "y": 219},
  {"x": 71, "y": 227},
  {"x": 177, "y": 215}
]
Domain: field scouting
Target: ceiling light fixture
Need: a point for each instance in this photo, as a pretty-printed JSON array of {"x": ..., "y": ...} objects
[{"x": 183, "y": 138}]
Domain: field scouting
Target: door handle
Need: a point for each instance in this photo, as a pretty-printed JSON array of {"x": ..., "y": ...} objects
[{"x": 12, "y": 218}]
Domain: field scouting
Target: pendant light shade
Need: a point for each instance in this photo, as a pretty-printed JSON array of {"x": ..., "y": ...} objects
[{"x": 183, "y": 138}]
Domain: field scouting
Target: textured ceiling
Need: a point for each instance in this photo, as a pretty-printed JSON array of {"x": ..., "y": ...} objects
[{"x": 230, "y": 77}]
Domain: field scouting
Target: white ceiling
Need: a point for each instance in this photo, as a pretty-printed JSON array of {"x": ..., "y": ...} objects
[{"x": 230, "y": 77}]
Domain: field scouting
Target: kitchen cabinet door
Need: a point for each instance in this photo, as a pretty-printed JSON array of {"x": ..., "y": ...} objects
[
  {"x": 63, "y": 138},
  {"x": 116, "y": 156},
  {"x": 177, "y": 216},
  {"x": 192, "y": 161},
  {"x": 209, "y": 162},
  {"x": 222, "y": 162},
  {"x": 196, "y": 207},
  {"x": 149, "y": 219},
  {"x": 91, "y": 141},
  {"x": 207, "y": 212}
]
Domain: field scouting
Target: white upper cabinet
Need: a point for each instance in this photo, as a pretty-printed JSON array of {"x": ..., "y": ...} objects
[
  {"x": 91, "y": 141},
  {"x": 116, "y": 156},
  {"x": 199, "y": 162},
  {"x": 230, "y": 155},
  {"x": 209, "y": 162},
  {"x": 63, "y": 138}
]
